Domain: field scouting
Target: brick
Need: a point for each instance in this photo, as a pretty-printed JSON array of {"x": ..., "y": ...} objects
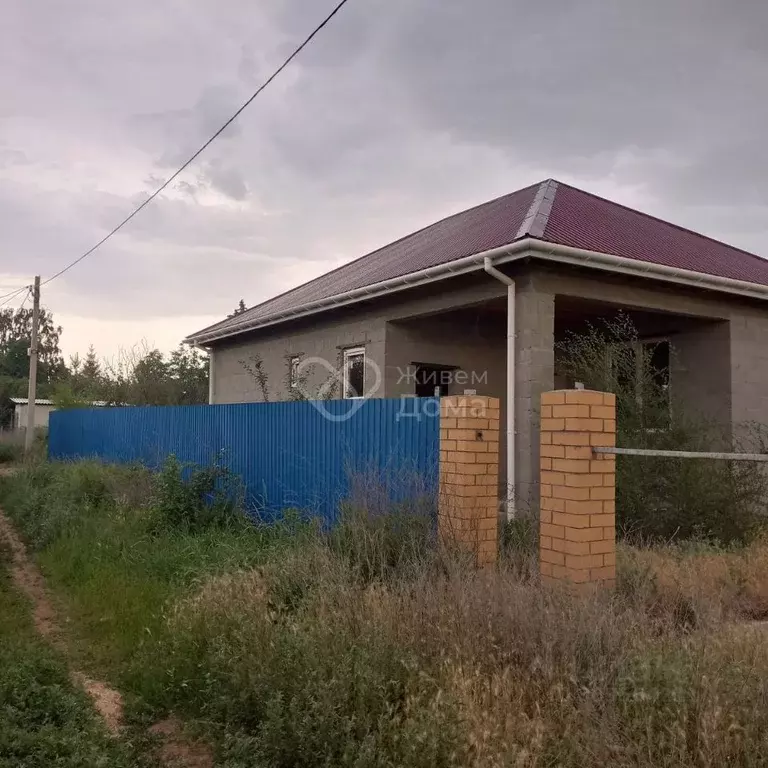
[
  {"x": 564, "y": 492},
  {"x": 545, "y": 516},
  {"x": 584, "y": 397},
  {"x": 545, "y": 438},
  {"x": 609, "y": 533},
  {"x": 587, "y": 507},
  {"x": 545, "y": 464},
  {"x": 488, "y": 523},
  {"x": 447, "y": 466},
  {"x": 584, "y": 534},
  {"x": 584, "y": 481},
  {"x": 568, "y": 547},
  {"x": 490, "y": 457},
  {"x": 553, "y": 531},
  {"x": 609, "y": 425},
  {"x": 545, "y": 490},
  {"x": 609, "y": 507},
  {"x": 553, "y": 478},
  {"x": 491, "y": 478},
  {"x": 553, "y": 398},
  {"x": 545, "y": 542},
  {"x": 461, "y": 457},
  {"x": 602, "y": 521},
  {"x": 552, "y": 504},
  {"x": 447, "y": 423},
  {"x": 609, "y": 558},
  {"x": 584, "y": 561},
  {"x": 546, "y": 569},
  {"x": 603, "y": 493},
  {"x": 601, "y": 547},
  {"x": 603, "y": 572},
  {"x": 576, "y": 575},
  {"x": 571, "y": 438},
  {"x": 447, "y": 445},
  {"x": 476, "y": 424},
  {"x": 602, "y": 412},
  {"x": 570, "y": 521},
  {"x": 577, "y": 452},
  {"x": 552, "y": 425},
  {"x": 584, "y": 425},
  {"x": 570, "y": 465},
  {"x": 554, "y": 451},
  {"x": 492, "y": 414},
  {"x": 570, "y": 411},
  {"x": 463, "y": 434},
  {"x": 443, "y": 434},
  {"x": 477, "y": 446},
  {"x": 609, "y": 398},
  {"x": 548, "y": 556},
  {"x": 609, "y": 480},
  {"x": 546, "y": 411},
  {"x": 453, "y": 478},
  {"x": 603, "y": 439}
]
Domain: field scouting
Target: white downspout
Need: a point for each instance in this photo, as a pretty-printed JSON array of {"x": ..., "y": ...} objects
[
  {"x": 510, "y": 283},
  {"x": 211, "y": 371}
]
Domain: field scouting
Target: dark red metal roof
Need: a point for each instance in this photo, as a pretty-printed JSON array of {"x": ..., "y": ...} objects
[
  {"x": 550, "y": 211},
  {"x": 583, "y": 220}
]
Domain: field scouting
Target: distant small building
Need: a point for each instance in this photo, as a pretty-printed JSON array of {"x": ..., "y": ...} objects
[{"x": 43, "y": 410}]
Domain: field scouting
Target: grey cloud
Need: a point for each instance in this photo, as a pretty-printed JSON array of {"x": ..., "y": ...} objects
[{"x": 397, "y": 114}]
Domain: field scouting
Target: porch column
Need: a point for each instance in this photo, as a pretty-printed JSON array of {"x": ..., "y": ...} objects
[{"x": 534, "y": 374}]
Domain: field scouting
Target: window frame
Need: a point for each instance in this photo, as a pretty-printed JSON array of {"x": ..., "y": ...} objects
[
  {"x": 350, "y": 353},
  {"x": 294, "y": 361}
]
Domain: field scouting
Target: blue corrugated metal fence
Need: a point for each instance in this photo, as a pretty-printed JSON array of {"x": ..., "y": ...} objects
[{"x": 293, "y": 454}]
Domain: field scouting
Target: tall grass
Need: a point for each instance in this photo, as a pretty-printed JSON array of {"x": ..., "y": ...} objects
[{"x": 369, "y": 646}]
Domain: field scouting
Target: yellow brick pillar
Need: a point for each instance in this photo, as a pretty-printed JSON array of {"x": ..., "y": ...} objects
[
  {"x": 577, "y": 541},
  {"x": 468, "y": 501}
]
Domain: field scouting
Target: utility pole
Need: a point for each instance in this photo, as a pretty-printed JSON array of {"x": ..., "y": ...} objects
[{"x": 30, "y": 435}]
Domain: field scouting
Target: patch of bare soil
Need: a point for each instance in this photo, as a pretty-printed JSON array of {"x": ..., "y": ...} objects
[
  {"x": 28, "y": 579},
  {"x": 176, "y": 750},
  {"x": 179, "y": 750}
]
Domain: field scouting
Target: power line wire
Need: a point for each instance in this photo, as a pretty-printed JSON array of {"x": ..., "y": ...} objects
[
  {"x": 12, "y": 296},
  {"x": 194, "y": 157}
]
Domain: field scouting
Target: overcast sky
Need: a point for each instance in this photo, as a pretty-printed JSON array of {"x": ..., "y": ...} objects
[{"x": 401, "y": 112}]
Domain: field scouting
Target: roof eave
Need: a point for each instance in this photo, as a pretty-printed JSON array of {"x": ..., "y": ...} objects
[{"x": 527, "y": 247}]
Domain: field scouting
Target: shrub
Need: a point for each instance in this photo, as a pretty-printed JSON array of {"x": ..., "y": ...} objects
[
  {"x": 661, "y": 498},
  {"x": 195, "y": 498},
  {"x": 10, "y": 453}
]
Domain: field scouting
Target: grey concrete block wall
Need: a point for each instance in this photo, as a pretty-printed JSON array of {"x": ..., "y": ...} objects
[
  {"x": 700, "y": 374},
  {"x": 534, "y": 374},
  {"x": 233, "y": 383},
  {"x": 749, "y": 368}
]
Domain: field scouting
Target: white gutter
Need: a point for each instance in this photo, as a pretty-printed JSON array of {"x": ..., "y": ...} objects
[
  {"x": 511, "y": 402},
  {"x": 531, "y": 247},
  {"x": 422, "y": 277}
]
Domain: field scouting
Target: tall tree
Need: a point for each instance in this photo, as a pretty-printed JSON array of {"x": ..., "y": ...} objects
[{"x": 15, "y": 336}]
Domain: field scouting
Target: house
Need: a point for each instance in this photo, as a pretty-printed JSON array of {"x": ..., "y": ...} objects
[
  {"x": 479, "y": 300},
  {"x": 43, "y": 409}
]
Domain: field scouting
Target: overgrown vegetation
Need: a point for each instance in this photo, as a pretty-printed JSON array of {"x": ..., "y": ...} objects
[
  {"x": 658, "y": 499},
  {"x": 368, "y": 646},
  {"x": 44, "y": 719}
]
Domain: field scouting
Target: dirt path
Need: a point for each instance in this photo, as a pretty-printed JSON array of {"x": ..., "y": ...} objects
[
  {"x": 28, "y": 579},
  {"x": 176, "y": 749}
]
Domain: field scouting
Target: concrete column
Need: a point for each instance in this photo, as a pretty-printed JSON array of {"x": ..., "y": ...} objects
[
  {"x": 469, "y": 475},
  {"x": 534, "y": 374},
  {"x": 577, "y": 541}
]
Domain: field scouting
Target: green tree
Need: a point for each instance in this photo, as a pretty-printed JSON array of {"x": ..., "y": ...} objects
[{"x": 15, "y": 339}]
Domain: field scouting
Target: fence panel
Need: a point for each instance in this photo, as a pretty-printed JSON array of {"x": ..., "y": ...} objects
[{"x": 291, "y": 454}]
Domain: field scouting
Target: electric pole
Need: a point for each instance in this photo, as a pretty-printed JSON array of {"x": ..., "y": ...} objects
[{"x": 29, "y": 438}]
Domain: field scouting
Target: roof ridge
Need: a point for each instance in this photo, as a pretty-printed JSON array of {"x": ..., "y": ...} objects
[
  {"x": 536, "y": 219},
  {"x": 678, "y": 227}
]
